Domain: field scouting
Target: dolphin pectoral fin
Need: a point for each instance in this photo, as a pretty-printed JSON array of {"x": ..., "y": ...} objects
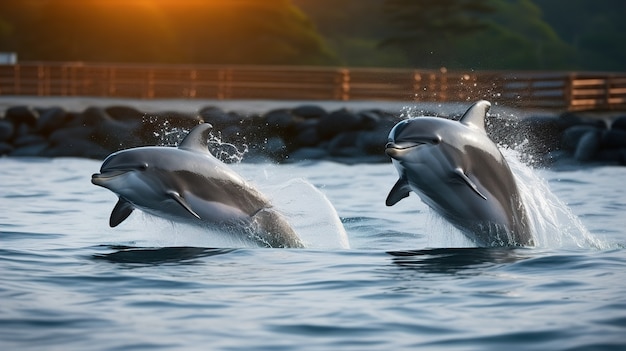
[
  {"x": 459, "y": 172},
  {"x": 120, "y": 212},
  {"x": 181, "y": 201},
  {"x": 475, "y": 115},
  {"x": 399, "y": 191}
]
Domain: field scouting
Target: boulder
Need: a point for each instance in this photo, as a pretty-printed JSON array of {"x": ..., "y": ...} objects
[
  {"x": 309, "y": 111},
  {"x": 51, "y": 119},
  {"x": 588, "y": 146},
  {"x": 279, "y": 122},
  {"x": 5, "y": 148},
  {"x": 338, "y": 122},
  {"x": 572, "y": 135},
  {"x": 29, "y": 150},
  {"x": 614, "y": 139},
  {"x": 6, "y": 130},
  {"x": 124, "y": 113},
  {"x": 619, "y": 123},
  {"x": 22, "y": 115},
  {"x": 218, "y": 118}
]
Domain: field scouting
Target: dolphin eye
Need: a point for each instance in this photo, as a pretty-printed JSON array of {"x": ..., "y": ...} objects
[
  {"x": 436, "y": 140},
  {"x": 143, "y": 167}
]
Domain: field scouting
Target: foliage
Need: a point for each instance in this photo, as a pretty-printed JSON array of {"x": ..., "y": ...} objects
[{"x": 237, "y": 31}]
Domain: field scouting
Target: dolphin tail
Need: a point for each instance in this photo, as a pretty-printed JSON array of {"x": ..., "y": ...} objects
[{"x": 274, "y": 230}]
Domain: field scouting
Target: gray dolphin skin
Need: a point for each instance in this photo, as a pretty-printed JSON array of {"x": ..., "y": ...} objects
[
  {"x": 188, "y": 184},
  {"x": 460, "y": 173}
]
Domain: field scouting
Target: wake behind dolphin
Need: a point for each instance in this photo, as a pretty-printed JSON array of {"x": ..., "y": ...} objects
[
  {"x": 188, "y": 184},
  {"x": 459, "y": 172}
]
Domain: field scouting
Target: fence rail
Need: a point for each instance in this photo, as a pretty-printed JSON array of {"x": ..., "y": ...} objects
[{"x": 565, "y": 91}]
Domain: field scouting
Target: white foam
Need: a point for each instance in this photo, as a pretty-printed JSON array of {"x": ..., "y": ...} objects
[{"x": 553, "y": 223}]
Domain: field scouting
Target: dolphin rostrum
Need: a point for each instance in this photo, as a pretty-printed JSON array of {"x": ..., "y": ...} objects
[
  {"x": 461, "y": 174},
  {"x": 188, "y": 184}
]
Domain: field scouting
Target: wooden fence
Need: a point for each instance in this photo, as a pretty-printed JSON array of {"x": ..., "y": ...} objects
[{"x": 564, "y": 91}]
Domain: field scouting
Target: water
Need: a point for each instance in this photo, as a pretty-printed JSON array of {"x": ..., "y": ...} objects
[{"x": 408, "y": 280}]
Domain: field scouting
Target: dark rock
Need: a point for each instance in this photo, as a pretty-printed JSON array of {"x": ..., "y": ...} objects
[
  {"x": 275, "y": 148},
  {"x": 5, "y": 148},
  {"x": 93, "y": 116},
  {"x": 572, "y": 119},
  {"x": 6, "y": 130},
  {"x": 614, "y": 139},
  {"x": 124, "y": 113},
  {"x": 231, "y": 133},
  {"x": 588, "y": 146},
  {"x": 338, "y": 122},
  {"x": 114, "y": 135},
  {"x": 369, "y": 119},
  {"x": 543, "y": 133},
  {"x": 217, "y": 117},
  {"x": 51, "y": 119},
  {"x": 61, "y": 136},
  {"x": 22, "y": 130},
  {"x": 22, "y": 115},
  {"x": 29, "y": 139},
  {"x": 279, "y": 122},
  {"x": 158, "y": 129},
  {"x": 345, "y": 144},
  {"x": 306, "y": 138},
  {"x": 309, "y": 111},
  {"x": 306, "y": 154},
  {"x": 29, "y": 150},
  {"x": 619, "y": 123},
  {"x": 76, "y": 148},
  {"x": 373, "y": 142},
  {"x": 609, "y": 156},
  {"x": 572, "y": 135}
]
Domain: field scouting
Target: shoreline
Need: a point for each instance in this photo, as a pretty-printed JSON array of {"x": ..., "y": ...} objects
[{"x": 289, "y": 131}]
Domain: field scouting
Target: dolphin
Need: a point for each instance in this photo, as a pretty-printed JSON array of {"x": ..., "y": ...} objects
[
  {"x": 461, "y": 174},
  {"x": 188, "y": 184}
]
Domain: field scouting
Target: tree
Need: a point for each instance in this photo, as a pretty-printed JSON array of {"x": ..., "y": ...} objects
[
  {"x": 487, "y": 34},
  {"x": 424, "y": 28},
  {"x": 184, "y": 31}
]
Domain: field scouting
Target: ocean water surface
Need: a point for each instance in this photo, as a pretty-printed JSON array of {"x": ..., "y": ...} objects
[{"x": 372, "y": 277}]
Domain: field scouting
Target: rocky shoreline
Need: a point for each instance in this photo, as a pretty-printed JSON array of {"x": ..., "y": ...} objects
[{"x": 305, "y": 132}]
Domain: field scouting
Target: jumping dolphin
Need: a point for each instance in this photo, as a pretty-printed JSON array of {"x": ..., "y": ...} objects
[
  {"x": 459, "y": 172},
  {"x": 190, "y": 185}
]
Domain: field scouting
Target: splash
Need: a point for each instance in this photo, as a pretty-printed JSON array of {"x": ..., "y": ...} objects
[
  {"x": 168, "y": 135},
  {"x": 310, "y": 213},
  {"x": 552, "y": 222}
]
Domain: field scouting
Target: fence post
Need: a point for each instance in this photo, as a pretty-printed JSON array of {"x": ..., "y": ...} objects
[
  {"x": 443, "y": 85},
  {"x": 568, "y": 91},
  {"x": 607, "y": 92},
  {"x": 150, "y": 89},
  {"x": 193, "y": 77},
  {"x": 417, "y": 87},
  {"x": 17, "y": 83},
  {"x": 344, "y": 84},
  {"x": 224, "y": 77}
]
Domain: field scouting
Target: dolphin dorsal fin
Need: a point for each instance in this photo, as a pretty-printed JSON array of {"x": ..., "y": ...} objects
[
  {"x": 197, "y": 139},
  {"x": 475, "y": 115}
]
